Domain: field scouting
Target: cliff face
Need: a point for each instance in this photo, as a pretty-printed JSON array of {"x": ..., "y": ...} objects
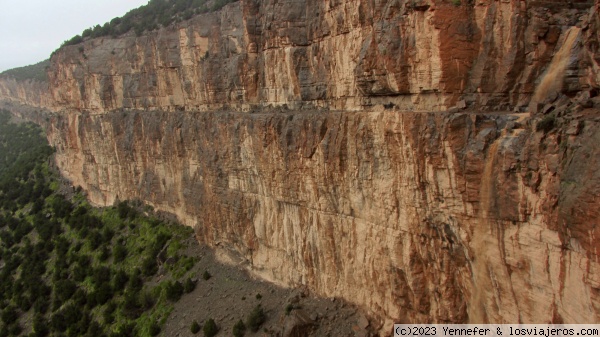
[
  {"x": 418, "y": 55},
  {"x": 29, "y": 92},
  {"x": 416, "y": 216}
]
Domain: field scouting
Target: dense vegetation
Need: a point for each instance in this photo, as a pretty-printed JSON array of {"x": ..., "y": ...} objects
[
  {"x": 150, "y": 17},
  {"x": 67, "y": 269},
  {"x": 32, "y": 72}
]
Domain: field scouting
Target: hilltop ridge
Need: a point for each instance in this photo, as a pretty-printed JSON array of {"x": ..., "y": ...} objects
[{"x": 149, "y": 17}]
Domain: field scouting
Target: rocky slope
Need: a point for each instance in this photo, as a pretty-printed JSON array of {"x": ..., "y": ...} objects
[{"x": 416, "y": 216}]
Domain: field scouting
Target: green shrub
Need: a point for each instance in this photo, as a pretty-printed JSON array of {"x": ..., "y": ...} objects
[
  {"x": 154, "y": 329},
  {"x": 456, "y": 3},
  {"x": 147, "y": 300},
  {"x": 95, "y": 329},
  {"x": 126, "y": 329},
  {"x": 125, "y": 211},
  {"x": 135, "y": 281},
  {"x": 24, "y": 303},
  {"x": 103, "y": 293},
  {"x": 239, "y": 329},
  {"x": 40, "y": 326},
  {"x": 9, "y": 315},
  {"x": 174, "y": 290},
  {"x": 101, "y": 275},
  {"x": 195, "y": 327},
  {"x": 41, "y": 305},
  {"x": 107, "y": 234},
  {"x": 104, "y": 254},
  {"x": 71, "y": 314},
  {"x": 120, "y": 280},
  {"x": 187, "y": 263},
  {"x": 149, "y": 266},
  {"x": 74, "y": 40},
  {"x": 256, "y": 318},
  {"x": 108, "y": 313},
  {"x": 80, "y": 272},
  {"x": 15, "y": 329},
  {"x": 189, "y": 286},
  {"x": 206, "y": 275},
  {"x": 131, "y": 306},
  {"x": 119, "y": 253},
  {"x": 80, "y": 297},
  {"x": 64, "y": 289},
  {"x": 210, "y": 328}
]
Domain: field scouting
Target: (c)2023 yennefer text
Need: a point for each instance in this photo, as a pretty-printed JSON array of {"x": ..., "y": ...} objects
[{"x": 496, "y": 330}]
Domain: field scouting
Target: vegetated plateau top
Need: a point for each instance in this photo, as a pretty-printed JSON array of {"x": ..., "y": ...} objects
[{"x": 150, "y": 17}]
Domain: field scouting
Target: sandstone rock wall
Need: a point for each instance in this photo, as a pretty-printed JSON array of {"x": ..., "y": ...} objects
[
  {"x": 417, "y": 217},
  {"x": 418, "y": 55},
  {"x": 30, "y": 92}
]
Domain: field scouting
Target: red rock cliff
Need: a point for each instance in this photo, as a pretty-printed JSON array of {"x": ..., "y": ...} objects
[
  {"x": 416, "y": 216},
  {"x": 418, "y": 55}
]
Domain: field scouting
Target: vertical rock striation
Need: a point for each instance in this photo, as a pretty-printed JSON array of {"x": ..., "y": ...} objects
[
  {"x": 417, "y": 55},
  {"x": 417, "y": 216},
  {"x": 33, "y": 93}
]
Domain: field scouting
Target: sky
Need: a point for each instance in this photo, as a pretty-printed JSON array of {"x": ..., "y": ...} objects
[{"x": 30, "y": 30}]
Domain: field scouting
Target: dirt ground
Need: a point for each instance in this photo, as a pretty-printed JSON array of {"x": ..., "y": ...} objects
[{"x": 231, "y": 294}]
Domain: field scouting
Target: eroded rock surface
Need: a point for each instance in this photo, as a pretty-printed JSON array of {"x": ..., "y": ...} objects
[
  {"x": 416, "y": 55},
  {"x": 415, "y": 216}
]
